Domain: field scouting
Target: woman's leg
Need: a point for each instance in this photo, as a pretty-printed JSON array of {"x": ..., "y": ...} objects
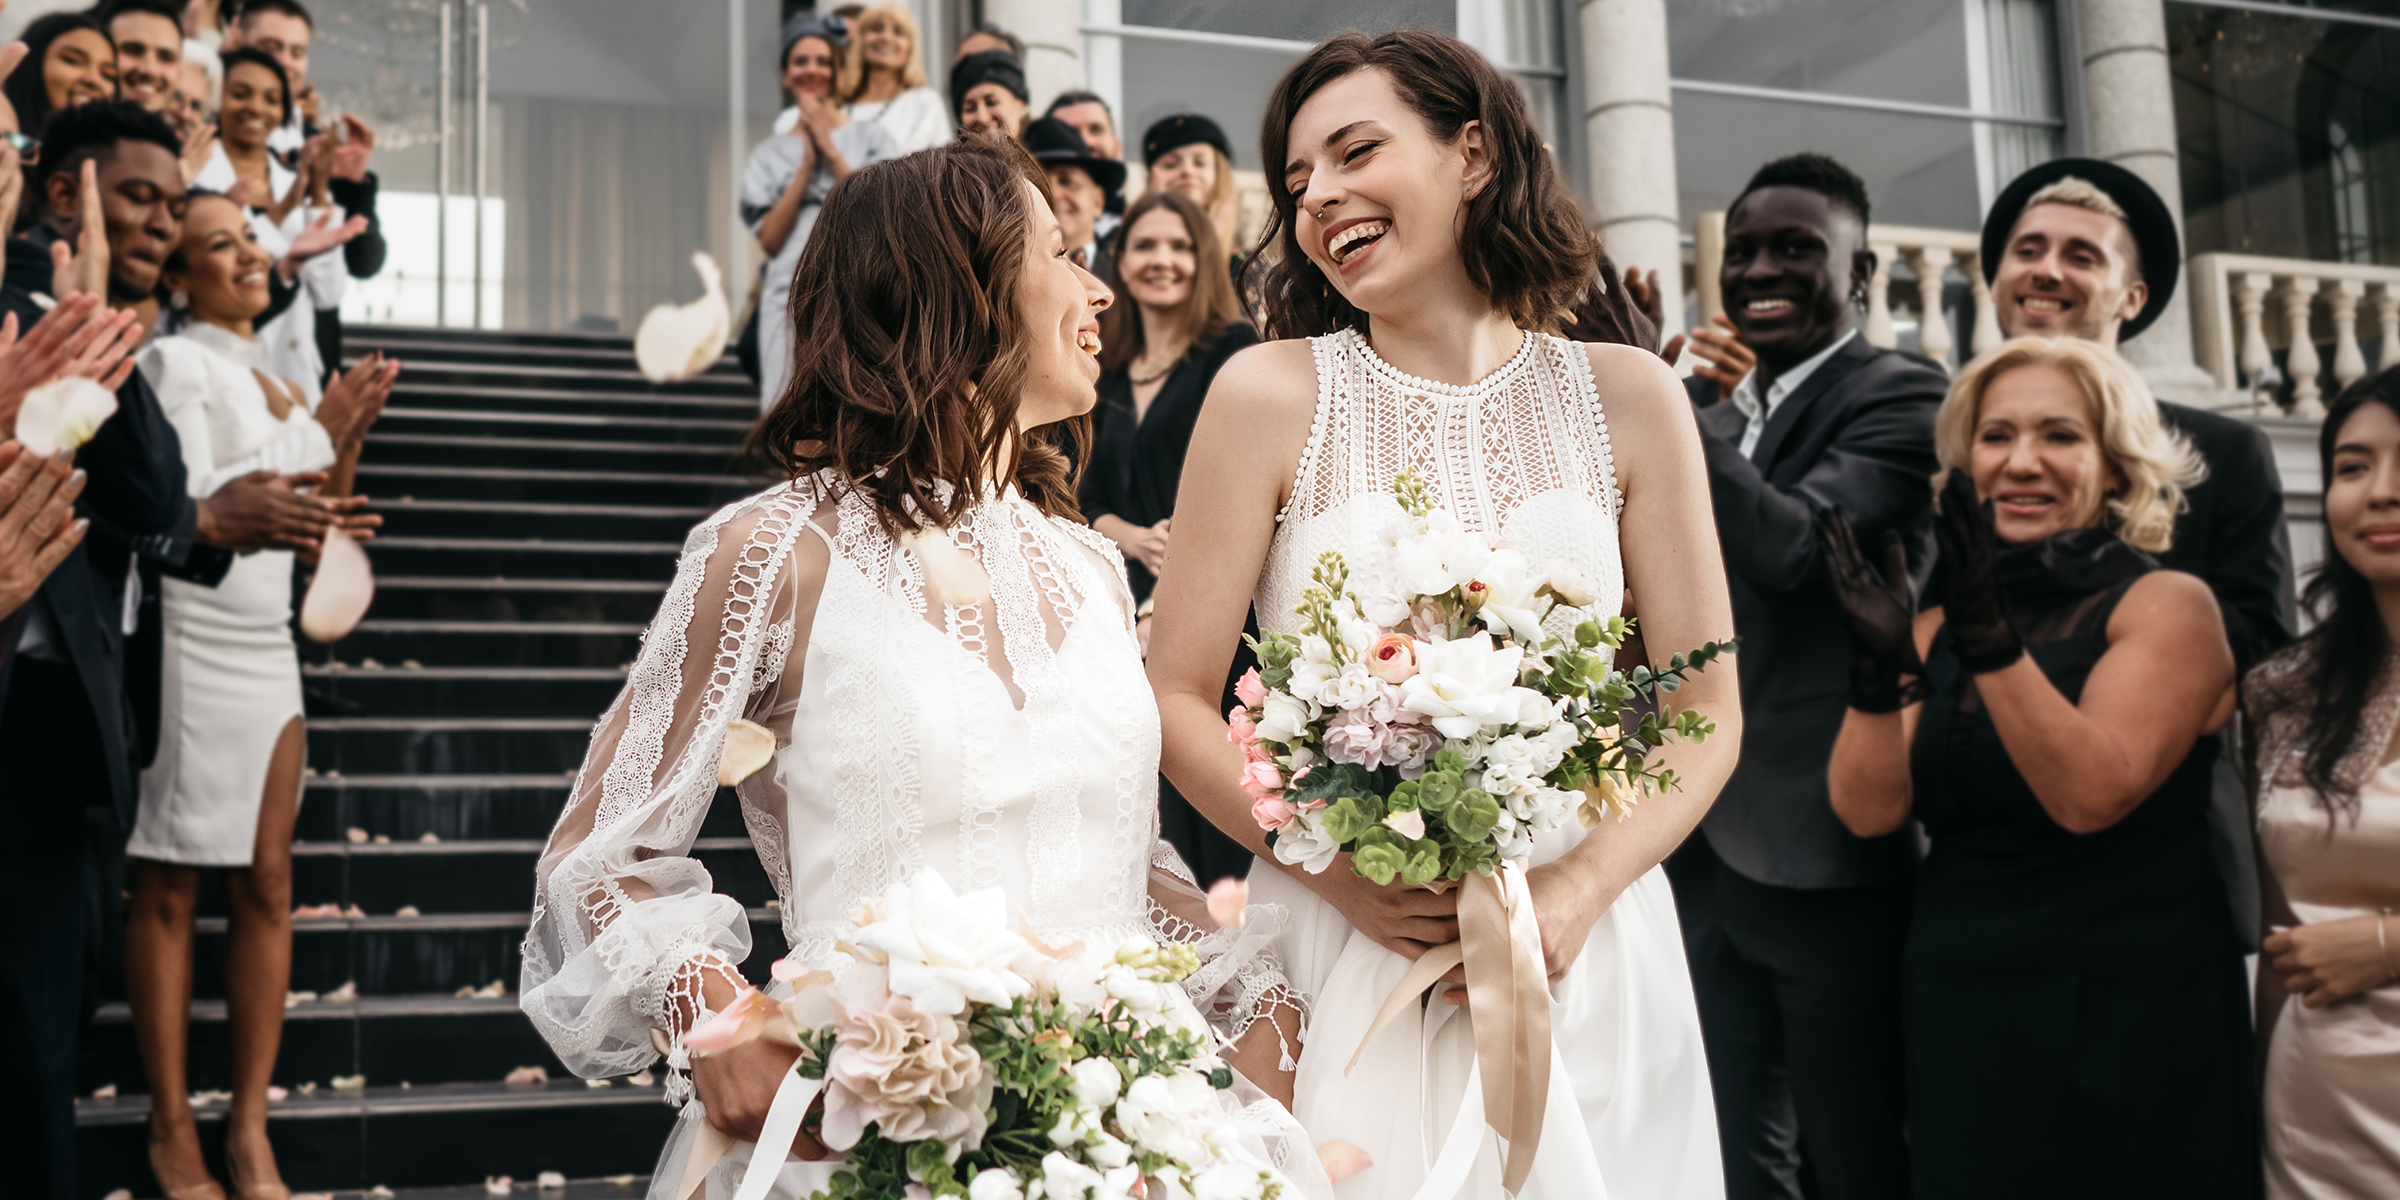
[
  {"x": 158, "y": 982},
  {"x": 258, "y": 967}
]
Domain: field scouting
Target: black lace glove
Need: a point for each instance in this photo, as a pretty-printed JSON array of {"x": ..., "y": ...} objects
[
  {"x": 1971, "y": 603},
  {"x": 1886, "y": 674}
]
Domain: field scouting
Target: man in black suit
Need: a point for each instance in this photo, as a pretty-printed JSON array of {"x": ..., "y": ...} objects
[
  {"x": 2083, "y": 248},
  {"x": 1793, "y": 925},
  {"x": 68, "y": 769}
]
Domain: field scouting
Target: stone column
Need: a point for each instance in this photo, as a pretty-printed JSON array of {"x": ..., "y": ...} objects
[
  {"x": 2131, "y": 122},
  {"x": 1053, "y": 43},
  {"x": 1629, "y": 130}
]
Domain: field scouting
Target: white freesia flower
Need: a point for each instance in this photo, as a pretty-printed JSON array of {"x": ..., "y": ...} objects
[
  {"x": 1284, "y": 717},
  {"x": 1512, "y": 837},
  {"x": 1097, "y": 1082},
  {"x": 1470, "y": 684},
  {"x": 1076, "y": 1125},
  {"x": 1066, "y": 1179},
  {"x": 1511, "y": 603},
  {"x": 998, "y": 1183},
  {"x": 1383, "y": 605},
  {"x": 1107, "y": 1153},
  {"x": 1573, "y": 588},
  {"x": 1303, "y": 843},
  {"x": 1170, "y": 1115},
  {"x": 1229, "y": 1181},
  {"x": 944, "y": 949},
  {"x": 1440, "y": 558},
  {"x": 63, "y": 414},
  {"x": 1354, "y": 687}
]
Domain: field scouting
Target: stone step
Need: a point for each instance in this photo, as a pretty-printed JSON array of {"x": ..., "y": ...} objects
[
  {"x": 558, "y": 450},
  {"x": 562, "y": 642},
  {"x": 470, "y": 876},
  {"x": 468, "y": 691},
  {"x": 406, "y": 745},
  {"x": 550, "y": 520},
  {"x": 525, "y": 558},
  {"x": 494, "y": 423},
  {"x": 420, "y": 1039},
  {"x": 597, "y": 385},
  {"x": 516, "y": 483},
  {"x": 401, "y": 1137},
  {"x": 406, "y": 807}
]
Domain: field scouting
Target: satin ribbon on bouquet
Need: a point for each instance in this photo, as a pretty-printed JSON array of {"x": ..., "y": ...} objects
[
  {"x": 792, "y": 1098},
  {"x": 1508, "y": 996}
]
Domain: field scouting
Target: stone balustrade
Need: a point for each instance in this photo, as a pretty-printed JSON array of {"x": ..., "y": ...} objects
[
  {"x": 1929, "y": 255},
  {"x": 2245, "y": 307}
]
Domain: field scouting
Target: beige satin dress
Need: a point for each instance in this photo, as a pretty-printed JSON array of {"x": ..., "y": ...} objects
[{"x": 2333, "y": 1074}]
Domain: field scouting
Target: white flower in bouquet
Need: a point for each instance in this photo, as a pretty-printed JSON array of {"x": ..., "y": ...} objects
[
  {"x": 1170, "y": 1115},
  {"x": 1064, "y": 1177},
  {"x": 1285, "y": 717},
  {"x": 1097, "y": 1082},
  {"x": 1513, "y": 838},
  {"x": 1512, "y": 764},
  {"x": 1352, "y": 688},
  {"x": 1229, "y": 1181},
  {"x": 944, "y": 949},
  {"x": 1442, "y": 557},
  {"x": 998, "y": 1183},
  {"x": 1511, "y": 597},
  {"x": 1572, "y": 587},
  {"x": 1304, "y": 843},
  {"x": 1470, "y": 684},
  {"x": 909, "y": 1072}
]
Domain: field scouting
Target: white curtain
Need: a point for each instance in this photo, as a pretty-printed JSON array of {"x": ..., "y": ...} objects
[{"x": 2012, "y": 69}]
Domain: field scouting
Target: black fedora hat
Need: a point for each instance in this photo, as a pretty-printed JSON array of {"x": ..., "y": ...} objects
[
  {"x": 1174, "y": 133},
  {"x": 1055, "y": 143},
  {"x": 2153, "y": 226}
]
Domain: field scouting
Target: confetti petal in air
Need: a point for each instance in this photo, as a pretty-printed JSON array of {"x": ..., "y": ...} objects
[
  {"x": 678, "y": 341},
  {"x": 63, "y": 414}
]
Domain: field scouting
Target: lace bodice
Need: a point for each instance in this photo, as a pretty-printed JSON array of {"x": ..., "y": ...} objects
[
  {"x": 1522, "y": 452},
  {"x": 970, "y": 701}
]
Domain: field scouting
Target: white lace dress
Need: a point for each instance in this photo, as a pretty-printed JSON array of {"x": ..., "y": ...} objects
[
  {"x": 1011, "y": 742},
  {"x": 1523, "y": 453}
]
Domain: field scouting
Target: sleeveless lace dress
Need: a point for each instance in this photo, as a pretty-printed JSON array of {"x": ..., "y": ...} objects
[
  {"x": 1523, "y": 453},
  {"x": 1009, "y": 740}
]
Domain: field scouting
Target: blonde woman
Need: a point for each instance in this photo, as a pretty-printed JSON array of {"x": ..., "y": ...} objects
[
  {"x": 883, "y": 82},
  {"x": 2075, "y": 1014},
  {"x": 1190, "y": 154}
]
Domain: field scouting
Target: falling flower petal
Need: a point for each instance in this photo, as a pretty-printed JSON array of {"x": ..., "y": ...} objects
[
  {"x": 341, "y": 591},
  {"x": 748, "y": 746},
  {"x": 1410, "y": 824},
  {"x": 1343, "y": 1159},
  {"x": 408, "y": 910},
  {"x": 1227, "y": 899},
  {"x": 678, "y": 341},
  {"x": 63, "y": 414},
  {"x": 740, "y": 1022},
  {"x": 951, "y": 572}
]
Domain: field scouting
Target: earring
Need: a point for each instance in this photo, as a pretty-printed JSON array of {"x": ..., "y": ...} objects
[{"x": 178, "y": 301}]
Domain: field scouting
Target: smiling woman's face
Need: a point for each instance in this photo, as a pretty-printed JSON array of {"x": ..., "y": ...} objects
[
  {"x": 253, "y": 107},
  {"x": 1061, "y": 303},
  {"x": 80, "y": 66},
  {"x": 1381, "y": 202},
  {"x": 809, "y": 69},
  {"x": 2037, "y": 455},
  {"x": 2362, "y": 499},
  {"x": 223, "y": 272},
  {"x": 1159, "y": 261}
]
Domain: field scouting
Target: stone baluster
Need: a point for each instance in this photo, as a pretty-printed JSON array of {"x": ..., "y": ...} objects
[
  {"x": 1879, "y": 298},
  {"x": 1933, "y": 325},
  {"x": 1987, "y": 314},
  {"x": 2300, "y": 360},
  {"x": 2387, "y": 314},
  {"x": 2250, "y": 290},
  {"x": 2341, "y": 303}
]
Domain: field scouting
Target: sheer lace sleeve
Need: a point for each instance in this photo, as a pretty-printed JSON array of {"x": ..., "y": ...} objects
[
  {"x": 1240, "y": 986},
  {"x": 626, "y": 924}
]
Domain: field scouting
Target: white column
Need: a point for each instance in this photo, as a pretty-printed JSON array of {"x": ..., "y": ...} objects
[
  {"x": 1104, "y": 62},
  {"x": 1053, "y": 43},
  {"x": 2131, "y": 103},
  {"x": 1629, "y": 128}
]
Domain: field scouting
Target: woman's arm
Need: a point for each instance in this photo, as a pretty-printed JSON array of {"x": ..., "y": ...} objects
[
  {"x": 1244, "y": 452},
  {"x": 1868, "y": 777},
  {"x": 775, "y": 228},
  {"x": 2166, "y": 680}
]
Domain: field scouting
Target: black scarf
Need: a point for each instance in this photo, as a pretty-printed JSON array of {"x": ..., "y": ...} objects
[{"x": 2048, "y": 575}]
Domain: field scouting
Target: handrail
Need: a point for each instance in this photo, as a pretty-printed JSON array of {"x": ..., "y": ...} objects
[{"x": 2236, "y": 340}]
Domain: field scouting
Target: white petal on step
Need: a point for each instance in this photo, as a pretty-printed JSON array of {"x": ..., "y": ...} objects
[
  {"x": 408, "y": 910},
  {"x": 678, "y": 341},
  {"x": 106, "y": 1091},
  {"x": 748, "y": 746},
  {"x": 63, "y": 414},
  {"x": 526, "y": 1077},
  {"x": 349, "y": 1083},
  {"x": 498, "y": 1185},
  {"x": 119, "y": 1194},
  {"x": 550, "y": 1181},
  {"x": 339, "y": 595},
  {"x": 343, "y": 994},
  {"x": 357, "y": 836}
]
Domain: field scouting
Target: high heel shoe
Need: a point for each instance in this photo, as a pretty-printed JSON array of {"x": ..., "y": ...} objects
[
  {"x": 249, "y": 1191},
  {"x": 208, "y": 1189}
]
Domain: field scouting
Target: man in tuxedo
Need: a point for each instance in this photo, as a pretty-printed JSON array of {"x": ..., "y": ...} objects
[
  {"x": 1793, "y": 925},
  {"x": 2083, "y": 248}
]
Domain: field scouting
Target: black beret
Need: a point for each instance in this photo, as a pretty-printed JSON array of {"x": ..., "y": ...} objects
[
  {"x": 1174, "y": 133},
  {"x": 2152, "y": 224},
  {"x": 990, "y": 66}
]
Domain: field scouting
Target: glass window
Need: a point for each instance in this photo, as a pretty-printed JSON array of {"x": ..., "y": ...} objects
[
  {"x": 2289, "y": 131},
  {"x": 1890, "y": 49},
  {"x": 1303, "y": 20},
  {"x": 1918, "y": 170}
]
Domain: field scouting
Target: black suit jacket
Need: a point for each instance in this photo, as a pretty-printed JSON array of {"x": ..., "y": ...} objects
[
  {"x": 134, "y": 495},
  {"x": 1858, "y": 437},
  {"x": 2231, "y": 532}
]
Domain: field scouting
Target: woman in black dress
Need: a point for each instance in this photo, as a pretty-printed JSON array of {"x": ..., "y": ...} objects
[
  {"x": 2075, "y": 1013},
  {"x": 1160, "y": 349}
]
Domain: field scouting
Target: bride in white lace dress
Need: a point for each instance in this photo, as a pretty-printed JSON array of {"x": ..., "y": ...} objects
[
  {"x": 943, "y": 655},
  {"x": 1424, "y": 238}
]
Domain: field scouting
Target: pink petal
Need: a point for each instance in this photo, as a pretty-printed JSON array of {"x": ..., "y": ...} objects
[
  {"x": 737, "y": 1024},
  {"x": 339, "y": 595},
  {"x": 1226, "y": 900},
  {"x": 1343, "y": 1159}
]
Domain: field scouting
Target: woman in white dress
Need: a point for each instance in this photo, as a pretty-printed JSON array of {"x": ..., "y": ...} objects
[
  {"x": 1426, "y": 243},
  {"x": 884, "y": 81},
  {"x": 789, "y": 176},
  {"x": 225, "y": 787},
  {"x": 943, "y": 653}
]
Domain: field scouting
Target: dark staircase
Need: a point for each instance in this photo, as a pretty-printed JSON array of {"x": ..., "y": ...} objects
[{"x": 535, "y": 491}]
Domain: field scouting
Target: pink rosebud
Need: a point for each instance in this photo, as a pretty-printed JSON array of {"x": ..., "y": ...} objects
[
  {"x": 1271, "y": 811},
  {"x": 1250, "y": 689},
  {"x": 1226, "y": 900},
  {"x": 1393, "y": 657},
  {"x": 1475, "y": 592},
  {"x": 1239, "y": 728},
  {"x": 1261, "y": 779}
]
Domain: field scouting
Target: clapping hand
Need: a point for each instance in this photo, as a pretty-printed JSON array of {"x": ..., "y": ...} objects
[
  {"x": 320, "y": 236},
  {"x": 1886, "y": 674},
  {"x": 78, "y": 337},
  {"x": 263, "y": 511},
  {"x": 198, "y": 147},
  {"x": 2330, "y": 961},
  {"x": 355, "y": 398},
  {"x": 1149, "y": 547},
  {"x": 83, "y": 268},
  {"x": 1972, "y": 607},
  {"x": 38, "y": 527},
  {"x": 351, "y": 155},
  {"x": 1723, "y": 357}
]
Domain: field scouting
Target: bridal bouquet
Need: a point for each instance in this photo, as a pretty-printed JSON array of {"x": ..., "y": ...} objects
[
  {"x": 957, "y": 1057},
  {"x": 1431, "y": 724}
]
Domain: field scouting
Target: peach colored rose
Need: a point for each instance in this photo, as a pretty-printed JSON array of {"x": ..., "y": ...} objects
[
  {"x": 908, "y": 1072},
  {"x": 1393, "y": 657},
  {"x": 1250, "y": 689}
]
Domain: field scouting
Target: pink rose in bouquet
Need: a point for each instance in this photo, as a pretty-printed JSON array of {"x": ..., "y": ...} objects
[{"x": 1393, "y": 657}]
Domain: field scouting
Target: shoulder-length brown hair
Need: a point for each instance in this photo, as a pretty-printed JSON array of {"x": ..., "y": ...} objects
[
  {"x": 909, "y": 344},
  {"x": 1205, "y": 313},
  {"x": 1524, "y": 244}
]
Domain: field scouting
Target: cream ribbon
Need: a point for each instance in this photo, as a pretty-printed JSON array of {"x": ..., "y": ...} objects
[
  {"x": 792, "y": 1098},
  {"x": 1508, "y": 995}
]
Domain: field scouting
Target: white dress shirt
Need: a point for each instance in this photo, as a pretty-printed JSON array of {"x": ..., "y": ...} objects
[{"x": 1745, "y": 393}]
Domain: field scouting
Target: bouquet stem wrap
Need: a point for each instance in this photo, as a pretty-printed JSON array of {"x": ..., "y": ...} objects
[
  {"x": 775, "y": 1140},
  {"x": 1508, "y": 997}
]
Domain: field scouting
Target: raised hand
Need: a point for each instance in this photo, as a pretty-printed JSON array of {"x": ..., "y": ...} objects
[
  {"x": 78, "y": 337},
  {"x": 356, "y": 397},
  {"x": 38, "y": 527},
  {"x": 320, "y": 236},
  {"x": 1972, "y": 607},
  {"x": 198, "y": 147},
  {"x": 350, "y": 158},
  {"x": 1724, "y": 357},
  {"x": 1886, "y": 673},
  {"x": 83, "y": 270}
]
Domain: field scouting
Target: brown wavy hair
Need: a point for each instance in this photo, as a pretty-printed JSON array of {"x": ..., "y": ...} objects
[
  {"x": 1205, "y": 313},
  {"x": 909, "y": 344},
  {"x": 1525, "y": 244}
]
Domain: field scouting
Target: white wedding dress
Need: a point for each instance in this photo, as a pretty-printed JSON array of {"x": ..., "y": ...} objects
[
  {"x": 1523, "y": 453},
  {"x": 1009, "y": 743}
]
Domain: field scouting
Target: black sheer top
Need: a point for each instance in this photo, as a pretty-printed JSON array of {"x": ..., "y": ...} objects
[{"x": 1137, "y": 465}]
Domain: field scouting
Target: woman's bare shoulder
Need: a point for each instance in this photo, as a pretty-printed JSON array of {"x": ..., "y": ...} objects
[
  {"x": 2170, "y": 605},
  {"x": 1269, "y": 375}
]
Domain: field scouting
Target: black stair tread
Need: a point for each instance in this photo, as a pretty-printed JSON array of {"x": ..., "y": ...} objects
[
  {"x": 711, "y": 398},
  {"x": 589, "y": 420},
  {"x": 342, "y": 670},
  {"x": 415, "y": 724},
  {"x": 371, "y": 470},
  {"x": 511, "y": 583},
  {"x": 497, "y": 627},
  {"x": 119, "y": 1012},
  {"x": 471, "y": 846},
  {"x": 556, "y": 508},
  {"x": 521, "y": 545},
  {"x": 430, "y": 921},
  {"x": 467, "y": 441},
  {"x": 442, "y": 781},
  {"x": 498, "y": 1098}
]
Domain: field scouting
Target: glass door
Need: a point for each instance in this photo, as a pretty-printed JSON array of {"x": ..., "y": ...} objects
[{"x": 550, "y": 164}]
